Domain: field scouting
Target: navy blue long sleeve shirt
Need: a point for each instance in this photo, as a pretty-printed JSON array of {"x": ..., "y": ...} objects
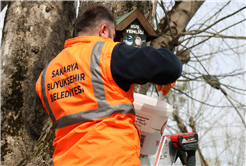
[{"x": 131, "y": 65}]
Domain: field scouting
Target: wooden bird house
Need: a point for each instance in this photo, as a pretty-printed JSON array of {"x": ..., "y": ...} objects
[{"x": 134, "y": 29}]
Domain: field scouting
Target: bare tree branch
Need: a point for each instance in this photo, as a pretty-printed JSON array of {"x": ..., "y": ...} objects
[
  {"x": 218, "y": 36},
  {"x": 194, "y": 34},
  {"x": 200, "y": 31},
  {"x": 198, "y": 100},
  {"x": 215, "y": 14},
  {"x": 166, "y": 16}
]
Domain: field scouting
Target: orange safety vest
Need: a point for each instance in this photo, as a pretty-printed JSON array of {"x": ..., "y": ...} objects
[{"x": 92, "y": 116}]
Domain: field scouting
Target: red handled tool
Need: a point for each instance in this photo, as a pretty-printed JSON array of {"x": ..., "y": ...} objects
[{"x": 186, "y": 143}]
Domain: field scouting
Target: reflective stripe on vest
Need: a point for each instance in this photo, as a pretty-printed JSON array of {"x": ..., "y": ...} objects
[
  {"x": 104, "y": 110},
  {"x": 52, "y": 117}
]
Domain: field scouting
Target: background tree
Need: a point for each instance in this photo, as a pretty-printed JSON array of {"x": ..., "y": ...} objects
[
  {"x": 34, "y": 33},
  {"x": 216, "y": 47}
]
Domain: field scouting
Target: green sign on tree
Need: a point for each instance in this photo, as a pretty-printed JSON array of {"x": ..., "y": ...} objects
[
  {"x": 134, "y": 34},
  {"x": 133, "y": 29}
]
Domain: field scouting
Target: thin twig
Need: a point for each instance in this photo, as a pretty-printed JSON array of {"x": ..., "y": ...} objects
[
  {"x": 200, "y": 31},
  {"x": 167, "y": 20}
]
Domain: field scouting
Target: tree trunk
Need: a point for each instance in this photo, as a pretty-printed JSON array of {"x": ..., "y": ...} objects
[
  {"x": 33, "y": 34},
  {"x": 176, "y": 20},
  {"x": 119, "y": 8}
]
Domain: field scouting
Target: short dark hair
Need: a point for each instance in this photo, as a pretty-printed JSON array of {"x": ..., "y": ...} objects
[{"x": 91, "y": 17}]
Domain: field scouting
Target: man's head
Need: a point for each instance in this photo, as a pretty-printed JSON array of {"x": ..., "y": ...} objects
[{"x": 96, "y": 21}]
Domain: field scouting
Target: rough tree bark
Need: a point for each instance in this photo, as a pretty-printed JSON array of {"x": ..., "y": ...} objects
[
  {"x": 34, "y": 32},
  {"x": 174, "y": 23},
  {"x": 119, "y": 8}
]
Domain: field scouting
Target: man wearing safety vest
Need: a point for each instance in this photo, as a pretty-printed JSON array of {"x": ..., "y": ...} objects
[{"x": 87, "y": 90}]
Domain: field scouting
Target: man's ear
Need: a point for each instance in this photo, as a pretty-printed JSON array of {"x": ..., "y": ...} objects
[{"x": 103, "y": 31}]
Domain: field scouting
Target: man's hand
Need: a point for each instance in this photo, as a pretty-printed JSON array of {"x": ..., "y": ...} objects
[{"x": 165, "y": 88}]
